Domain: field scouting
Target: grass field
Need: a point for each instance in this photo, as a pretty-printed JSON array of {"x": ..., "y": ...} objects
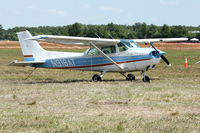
[{"x": 68, "y": 101}]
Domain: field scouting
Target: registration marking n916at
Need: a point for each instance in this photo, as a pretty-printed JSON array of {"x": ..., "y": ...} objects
[{"x": 62, "y": 62}]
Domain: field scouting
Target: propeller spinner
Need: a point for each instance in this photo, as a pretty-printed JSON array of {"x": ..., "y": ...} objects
[{"x": 162, "y": 56}]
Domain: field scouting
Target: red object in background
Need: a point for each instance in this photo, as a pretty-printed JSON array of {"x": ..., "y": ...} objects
[{"x": 186, "y": 64}]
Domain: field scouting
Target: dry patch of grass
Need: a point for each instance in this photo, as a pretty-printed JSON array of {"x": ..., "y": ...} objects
[{"x": 98, "y": 107}]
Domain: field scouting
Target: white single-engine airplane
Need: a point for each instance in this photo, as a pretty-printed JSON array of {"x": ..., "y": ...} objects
[{"x": 104, "y": 55}]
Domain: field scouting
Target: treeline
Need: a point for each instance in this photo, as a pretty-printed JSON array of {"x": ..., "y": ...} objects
[{"x": 111, "y": 30}]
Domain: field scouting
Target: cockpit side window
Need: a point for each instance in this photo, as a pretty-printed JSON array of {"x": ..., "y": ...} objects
[
  {"x": 108, "y": 49},
  {"x": 105, "y": 49},
  {"x": 122, "y": 47}
]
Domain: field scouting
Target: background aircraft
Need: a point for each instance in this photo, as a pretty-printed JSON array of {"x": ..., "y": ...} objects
[{"x": 104, "y": 55}]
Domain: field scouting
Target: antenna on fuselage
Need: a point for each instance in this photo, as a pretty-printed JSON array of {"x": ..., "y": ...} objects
[
  {"x": 111, "y": 36},
  {"x": 97, "y": 35}
]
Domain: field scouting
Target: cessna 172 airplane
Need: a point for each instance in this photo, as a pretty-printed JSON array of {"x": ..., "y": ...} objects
[{"x": 104, "y": 55}]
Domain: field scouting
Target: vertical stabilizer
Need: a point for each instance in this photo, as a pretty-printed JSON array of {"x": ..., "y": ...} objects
[{"x": 31, "y": 50}]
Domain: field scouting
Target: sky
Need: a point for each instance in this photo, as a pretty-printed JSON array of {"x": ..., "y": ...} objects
[{"x": 33, "y": 13}]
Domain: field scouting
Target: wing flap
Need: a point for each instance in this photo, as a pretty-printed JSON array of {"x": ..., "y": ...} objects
[{"x": 24, "y": 63}]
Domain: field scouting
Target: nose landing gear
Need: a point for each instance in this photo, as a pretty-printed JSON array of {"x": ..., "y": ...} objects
[{"x": 145, "y": 78}]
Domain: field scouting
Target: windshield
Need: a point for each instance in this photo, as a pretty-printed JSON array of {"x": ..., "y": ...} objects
[
  {"x": 122, "y": 47},
  {"x": 130, "y": 43}
]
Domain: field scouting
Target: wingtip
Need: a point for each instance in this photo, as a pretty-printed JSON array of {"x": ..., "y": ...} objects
[{"x": 170, "y": 65}]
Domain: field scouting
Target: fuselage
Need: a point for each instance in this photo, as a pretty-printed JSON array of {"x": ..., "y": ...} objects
[{"x": 127, "y": 54}]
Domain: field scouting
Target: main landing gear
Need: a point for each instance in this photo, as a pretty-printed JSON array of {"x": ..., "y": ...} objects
[
  {"x": 97, "y": 77},
  {"x": 130, "y": 77}
]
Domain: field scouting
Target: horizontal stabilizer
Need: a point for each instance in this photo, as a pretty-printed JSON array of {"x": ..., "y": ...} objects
[{"x": 24, "y": 63}]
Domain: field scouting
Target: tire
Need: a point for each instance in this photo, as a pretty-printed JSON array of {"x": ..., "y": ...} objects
[
  {"x": 96, "y": 78},
  {"x": 130, "y": 77},
  {"x": 146, "y": 79}
]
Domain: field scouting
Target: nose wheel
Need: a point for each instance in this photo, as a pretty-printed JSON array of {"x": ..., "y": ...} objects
[{"x": 145, "y": 78}]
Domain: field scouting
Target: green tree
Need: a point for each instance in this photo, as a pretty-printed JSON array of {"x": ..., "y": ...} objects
[
  {"x": 137, "y": 30},
  {"x": 179, "y": 31},
  {"x": 90, "y": 31},
  {"x": 165, "y": 31},
  {"x": 153, "y": 31},
  {"x": 141, "y": 30},
  {"x": 76, "y": 29},
  {"x": 2, "y": 33}
]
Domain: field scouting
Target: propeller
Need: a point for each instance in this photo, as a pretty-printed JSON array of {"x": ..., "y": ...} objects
[{"x": 162, "y": 56}]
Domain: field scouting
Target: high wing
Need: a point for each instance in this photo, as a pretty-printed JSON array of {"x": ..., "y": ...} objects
[
  {"x": 24, "y": 63},
  {"x": 70, "y": 40},
  {"x": 84, "y": 41},
  {"x": 160, "y": 40}
]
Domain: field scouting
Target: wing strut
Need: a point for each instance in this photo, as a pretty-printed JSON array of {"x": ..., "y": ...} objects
[{"x": 106, "y": 56}]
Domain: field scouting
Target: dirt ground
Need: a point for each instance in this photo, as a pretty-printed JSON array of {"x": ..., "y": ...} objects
[
  {"x": 162, "y": 45},
  {"x": 15, "y": 44}
]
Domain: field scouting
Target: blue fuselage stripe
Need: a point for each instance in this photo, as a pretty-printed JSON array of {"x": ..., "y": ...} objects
[{"x": 83, "y": 62}]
